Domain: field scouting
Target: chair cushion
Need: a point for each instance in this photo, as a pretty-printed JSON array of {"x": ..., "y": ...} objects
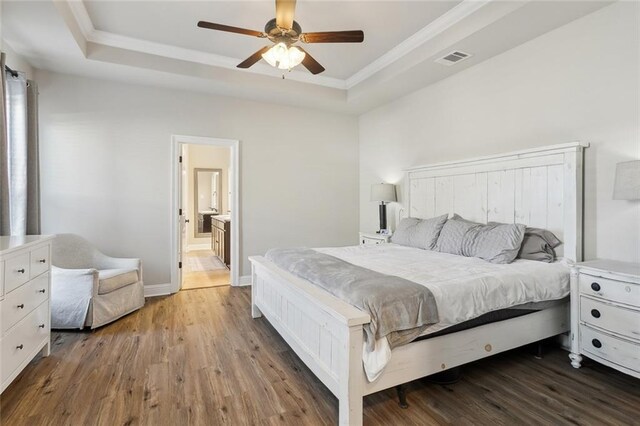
[{"x": 113, "y": 279}]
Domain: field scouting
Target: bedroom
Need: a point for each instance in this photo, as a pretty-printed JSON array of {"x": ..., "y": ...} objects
[{"x": 541, "y": 74}]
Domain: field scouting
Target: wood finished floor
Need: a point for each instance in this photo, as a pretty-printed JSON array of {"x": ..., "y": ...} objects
[
  {"x": 203, "y": 279},
  {"x": 198, "y": 358}
]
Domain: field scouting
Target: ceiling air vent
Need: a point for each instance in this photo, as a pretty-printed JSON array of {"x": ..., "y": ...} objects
[{"x": 453, "y": 58}]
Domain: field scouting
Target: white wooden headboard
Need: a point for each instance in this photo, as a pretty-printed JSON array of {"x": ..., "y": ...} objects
[{"x": 539, "y": 187}]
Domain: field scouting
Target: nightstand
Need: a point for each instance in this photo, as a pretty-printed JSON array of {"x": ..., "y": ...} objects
[
  {"x": 605, "y": 314},
  {"x": 373, "y": 238}
]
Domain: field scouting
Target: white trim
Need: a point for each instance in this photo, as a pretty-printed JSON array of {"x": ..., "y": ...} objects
[
  {"x": 234, "y": 145},
  {"x": 435, "y": 28},
  {"x": 245, "y": 280},
  {"x": 157, "y": 290},
  {"x": 80, "y": 14}
]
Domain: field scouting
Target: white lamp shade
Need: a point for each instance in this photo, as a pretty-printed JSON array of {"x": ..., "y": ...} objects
[
  {"x": 627, "y": 185},
  {"x": 383, "y": 192}
]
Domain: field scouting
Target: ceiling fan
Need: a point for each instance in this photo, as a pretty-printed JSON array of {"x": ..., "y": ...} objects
[{"x": 284, "y": 32}]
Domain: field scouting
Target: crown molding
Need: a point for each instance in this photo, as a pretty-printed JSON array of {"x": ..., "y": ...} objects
[
  {"x": 83, "y": 20},
  {"x": 197, "y": 56},
  {"x": 433, "y": 29}
]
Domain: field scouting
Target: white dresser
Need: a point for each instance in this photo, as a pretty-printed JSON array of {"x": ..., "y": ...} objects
[
  {"x": 605, "y": 314},
  {"x": 25, "y": 264}
]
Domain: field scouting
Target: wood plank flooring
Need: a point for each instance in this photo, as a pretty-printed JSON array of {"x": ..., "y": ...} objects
[{"x": 197, "y": 358}]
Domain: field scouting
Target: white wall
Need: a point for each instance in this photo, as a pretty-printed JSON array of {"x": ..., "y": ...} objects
[
  {"x": 205, "y": 157},
  {"x": 106, "y": 172},
  {"x": 579, "y": 82}
]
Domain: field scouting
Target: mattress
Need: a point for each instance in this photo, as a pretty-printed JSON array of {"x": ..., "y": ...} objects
[{"x": 464, "y": 287}]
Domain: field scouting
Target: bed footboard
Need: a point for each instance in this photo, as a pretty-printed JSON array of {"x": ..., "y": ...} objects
[{"x": 325, "y": 332}]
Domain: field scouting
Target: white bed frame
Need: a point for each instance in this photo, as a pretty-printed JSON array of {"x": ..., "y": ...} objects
[{"x": 539, "y": 187}]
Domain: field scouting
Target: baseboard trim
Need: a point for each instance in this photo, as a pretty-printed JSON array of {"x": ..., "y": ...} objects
[
  {"x": 244, "y": 280},
  {"x": 157, "y": 290}
]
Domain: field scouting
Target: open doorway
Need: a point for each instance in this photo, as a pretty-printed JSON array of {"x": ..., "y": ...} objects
[{"x": 205, "y": 228}]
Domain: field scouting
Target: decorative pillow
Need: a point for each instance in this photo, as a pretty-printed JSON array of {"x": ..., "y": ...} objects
[
  {"x": 495, "y": 243},
  {"x": 539, "y": 244},
  {"x": 420, "y": 233}
]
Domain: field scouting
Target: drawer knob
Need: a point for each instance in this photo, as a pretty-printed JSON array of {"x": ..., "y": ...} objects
[
  {"x": 21, "y": 346},
  {"x": 41, "y": 326},
  {"x": 21, "y": 271},
  {"x": 597, "y": 343},
  {"x": 42, "y": 260},
  {"x": 42, "y": 291},
  {"x": 595, "y": 286},
  {"x": 595, "y": 313},
  {"x": 20, "y": 306}
]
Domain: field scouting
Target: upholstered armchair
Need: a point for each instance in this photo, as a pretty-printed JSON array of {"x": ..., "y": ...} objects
[{"x": 89, "y": 288}]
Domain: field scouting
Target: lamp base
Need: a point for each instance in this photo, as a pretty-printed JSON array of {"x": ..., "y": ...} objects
[{"x": 382, "y": 210}]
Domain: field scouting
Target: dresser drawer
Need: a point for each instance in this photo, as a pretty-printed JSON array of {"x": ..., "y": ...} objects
[
  {"x": 615, "y": 291},
  {"x": 619, "y": 351},
  {"x": 20, "y": 302},
  {"x": 16, "y": 271},
  {"x": 18, "y": 345},
  {"x": 616, "y": 319},
  {"x": 39, "y": 261}
]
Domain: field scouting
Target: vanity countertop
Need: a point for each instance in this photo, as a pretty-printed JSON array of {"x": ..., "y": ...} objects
[{"x": 222, "y": 218}]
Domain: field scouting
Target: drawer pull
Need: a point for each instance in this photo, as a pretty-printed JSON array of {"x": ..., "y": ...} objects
[
  {"x": 595, "y": 286},
  {"x": 41, "y": 326},
  {"x": 42, "y": 260},
  {"x": 595, "y": 313},
  {"x": 21, "y": 346},
  {"x": 21, "y": 271},
  {"x": 42, "y": 291},
  {"x": 597, "y": 343},
  {"x": 20, "y": 306}
]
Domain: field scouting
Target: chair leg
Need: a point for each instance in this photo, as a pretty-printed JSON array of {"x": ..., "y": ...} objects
[{"x": 402, "y": 396}]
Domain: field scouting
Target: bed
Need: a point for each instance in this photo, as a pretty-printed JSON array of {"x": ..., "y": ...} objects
[{"x": 540, "y": 187}]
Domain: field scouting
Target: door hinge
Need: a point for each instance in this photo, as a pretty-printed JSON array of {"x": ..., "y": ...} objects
[
  {"x": 180, "y": 265},
  {"x": 180, "y": 159},
  {"x": 179, "y": 212}
]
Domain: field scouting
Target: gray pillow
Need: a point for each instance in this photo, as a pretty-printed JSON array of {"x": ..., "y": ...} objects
[
  {"x": 495, "y": 242},
  {"x": 420, "y": 233},
  {"x": 539, "y": 244}
]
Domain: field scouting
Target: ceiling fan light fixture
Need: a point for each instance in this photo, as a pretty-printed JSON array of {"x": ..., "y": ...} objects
[{"x": 283, "y": 56}]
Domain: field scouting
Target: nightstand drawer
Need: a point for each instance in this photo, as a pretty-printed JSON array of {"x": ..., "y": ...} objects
[
  {"x": 617, "y": 319},
  {"x": 618, "y": 351},
  {"x": 615, "y": 291}
]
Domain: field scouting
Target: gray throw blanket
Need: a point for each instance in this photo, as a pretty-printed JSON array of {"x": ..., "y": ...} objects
[{"x": 400, "y": 309}]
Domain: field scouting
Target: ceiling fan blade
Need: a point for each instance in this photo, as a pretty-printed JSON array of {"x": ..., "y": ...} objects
[
  {"x": 333, "y": 37},
  {"x": 310, "y": 63},
  {"x": 285, "y": 10},
  {"x": 230, "y": 29},
  {"x": 253, "y": 58}
]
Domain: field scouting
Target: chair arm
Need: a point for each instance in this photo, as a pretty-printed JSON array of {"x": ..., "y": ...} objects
[
  {"x": 77, "y": 278},
  {"x": 107, "y": 262}
]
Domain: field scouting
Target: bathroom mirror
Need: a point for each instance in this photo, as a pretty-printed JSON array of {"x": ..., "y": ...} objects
[{"x": 207, "y": 196}]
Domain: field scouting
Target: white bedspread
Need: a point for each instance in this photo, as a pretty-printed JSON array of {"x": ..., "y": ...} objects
[{"x": 464, "y": 287}]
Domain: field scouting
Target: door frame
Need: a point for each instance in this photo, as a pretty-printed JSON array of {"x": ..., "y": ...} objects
[{"x": 177, "y": 142}]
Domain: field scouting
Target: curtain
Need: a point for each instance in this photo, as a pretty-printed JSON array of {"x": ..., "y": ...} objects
[{"x": 20, "y": 186}]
